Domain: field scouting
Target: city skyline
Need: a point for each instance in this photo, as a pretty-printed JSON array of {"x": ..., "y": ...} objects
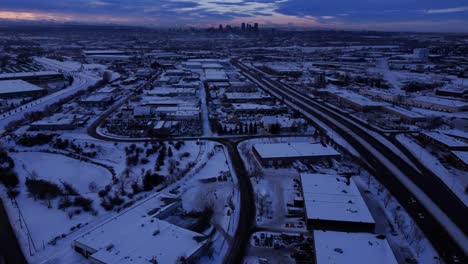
[{"x": 415, "y": 15}]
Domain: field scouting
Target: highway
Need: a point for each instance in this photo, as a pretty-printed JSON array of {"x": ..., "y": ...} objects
[{"x": 442, "y": 219}]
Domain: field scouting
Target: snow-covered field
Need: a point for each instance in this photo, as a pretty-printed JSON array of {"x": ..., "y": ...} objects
[{"x": 32, "y": 218}]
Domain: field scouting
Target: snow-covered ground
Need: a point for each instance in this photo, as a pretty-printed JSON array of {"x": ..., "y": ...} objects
[
  {"x": 394, "y": 222},
  {"x": 210, "y": 160},
  {"x": 453, "y": 178},
  {"x": 32, "y": 218},
  {"x": 222, "y": 193}
]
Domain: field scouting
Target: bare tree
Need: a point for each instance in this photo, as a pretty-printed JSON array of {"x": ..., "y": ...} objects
[{"x": 263, "y": 203}]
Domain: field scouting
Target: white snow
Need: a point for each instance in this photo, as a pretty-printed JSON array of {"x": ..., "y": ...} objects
[
  {"x": 344, "y": 248},
  {"x": 328, "y": 197},
  {"x": 455, "y": 181},
  {"x": 293, "y": 150}
]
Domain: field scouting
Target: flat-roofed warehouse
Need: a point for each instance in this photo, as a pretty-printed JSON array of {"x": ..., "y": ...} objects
[
  {"x": 345, "y": 248},
  {"x": 32, "y": 76},
  {"x": 286, "y": 153},
  {"x": 138, "y": 236},
  {"x": 333, "y": 202},
  {"x": 19, "y": 88}
]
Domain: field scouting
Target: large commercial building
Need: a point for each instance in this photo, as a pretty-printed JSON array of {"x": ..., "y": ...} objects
[
  {"x": 444, "y": 141},
  {"x": 333, "y": 202},
  {"x": 139, "y": 236},
  {"x": 19, "y": 88},
  {"x": 438, "y": 103},
  {"x": 32, "y": 76},
  {"x": 59, "y": 122},
  {"x": 405, "y": 115},
  {"x": 286, "y": 153},
  {"x": 347, "y": 248},
  {"x": 246, "y": 97},
  {"x": 97, "y": 100},
  {"x": 357, "y": 101}
]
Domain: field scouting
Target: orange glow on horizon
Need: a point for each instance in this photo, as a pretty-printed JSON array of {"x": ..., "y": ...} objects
[
  {"x": 60, "y": 17},
  {"x": 31, "y": 16}
]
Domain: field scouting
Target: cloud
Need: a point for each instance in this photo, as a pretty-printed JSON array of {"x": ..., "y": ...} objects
[
  {"x": 447, "y": 10},
  {"x": 302, "y": 13}
]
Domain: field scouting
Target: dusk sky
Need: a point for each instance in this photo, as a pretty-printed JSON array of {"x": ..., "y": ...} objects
[{"x": 411, "y": 15}]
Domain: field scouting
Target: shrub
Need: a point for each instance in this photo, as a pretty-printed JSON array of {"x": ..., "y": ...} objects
[
  {"x": 84, "y": 203},
  {"x": 152, "y": 180},
  {"x": 68, "y": 189},
  {"x": 9, "y": 178}
]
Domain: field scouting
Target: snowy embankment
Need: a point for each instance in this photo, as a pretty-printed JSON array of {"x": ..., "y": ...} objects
[
  {"x": 208, "y": 184},
  {"x": 452, "y": 180}
]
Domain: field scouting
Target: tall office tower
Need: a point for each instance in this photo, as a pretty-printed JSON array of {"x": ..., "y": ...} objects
[
  {"x": 243, "y": 27},
  {"x": 256, "y": 27}
]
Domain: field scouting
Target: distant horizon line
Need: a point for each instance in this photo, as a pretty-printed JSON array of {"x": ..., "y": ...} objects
[{"x": 8, "y": 22}]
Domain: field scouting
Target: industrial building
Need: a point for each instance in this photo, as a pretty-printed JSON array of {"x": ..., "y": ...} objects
[
  {"x": 271, "y": 154},
  {"x": 246, "y": 97},
  {"x": 405, "y": 115},
  {"x": 444, "y": 141},
  {"x": 344, "y": 248},
  {"x": 97, "y": 100},
  {"x": 438, "y": 103},
  {"x": 356, "y": 101},
  {"x": 333, "y": 202},
  {"x": 19, "y": 88},
  {"x": 139, "y": 236},
  {"x": 171, "y": 92},
  {"x": 32, "y": 76},
  {"x": 59, "y": 122}
]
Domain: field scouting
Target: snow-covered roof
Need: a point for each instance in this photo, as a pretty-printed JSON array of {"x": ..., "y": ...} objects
[
  {"x": 441, "y": 101},
  {"x": 455, "y": 133},
  {"x": 344, "y": 248},
  {"x": 141, "y": 111},
  {"x": 357, "y": 98},
  {"x": 19, "y": 75},
  {"x": 57, "y": 119},
  {"x": 110, "y": 57},
  {"x": 137, "y": 236},
  {"x": 171, "y": 90},
  {"x": 215, "y": 75},
  {"x": 284, "y": 122},
  {"x": 167, "y": 109},
  {"x": 249, "y": 106},
  {"x": 97, "y": 97},
  {"x": 247, "y": 96},
  {"x": 89, "y": 52},
  {"x": 169, "y": 101},
  {"x": 462, "y": 155},
  {"x": 293, "y": 150},
  {"x": 328, "y": 197},
  {"x": 448, "y": 141},
  {"x": 212, "y": 66},
  {"x": 17, "y": 86},
  {"x": 404, "y": 112}
]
